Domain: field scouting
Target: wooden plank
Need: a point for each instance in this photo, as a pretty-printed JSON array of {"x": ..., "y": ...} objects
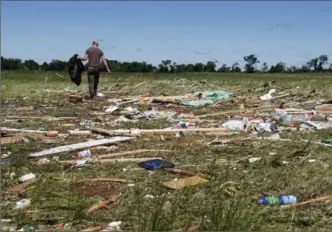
[
  {"x": 185, "y": 182},
  {"x": 79, "y": 146},
  {"x": 184, "y": 172},
  {"x": 320, "y": 199},
  {"x": 19, "y": 188},
  {"x": 5, "y": 129},
  {"x": 109, "y": 180},
  {"x": 79, "y": 133},
  {"x": 103, "y": 204},
  {"x": 12, "y": 139},
  {"x": 122, "y": 160},
  {"x": 108, "y": 133},
  {"x": 131, "y": 153},
  {"x": 173, "y": 131},
  {"x": 39, "y": 117},
  {"x": 137, "y": 160}
]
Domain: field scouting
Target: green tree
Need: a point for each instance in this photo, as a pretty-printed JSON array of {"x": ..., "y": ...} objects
[
  {"x": 10, "y": 63},
  {"x": 164, "y": 67},
  {"x": 236, "y": 67},
  {"x": 251, "y": 61},
  {"x": 322, "y": 60},
  {"x": 190, "y": 68},
  {"x": 44, "y": 66},
  {"x": 210, "y": 66},
  {"x": 199, "y": 67},
  {"x": 57, "y": 65},
  {"x": 224, "y": 68},
  {"x": 265, "y": 68},
  {"x": 31, "y": 65},
  {"x": 278, "y": 68},
  {"x": 313, "y": 64}
]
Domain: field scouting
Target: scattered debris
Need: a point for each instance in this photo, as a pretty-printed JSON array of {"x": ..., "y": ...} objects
[
  {"x": 79, "y": 146},
  {"x": 185, "y": 182},
  {"x": 312, "y": 201},
  {"x": 23, "y": 203},
  {"x": 114, "y": 226},
  {"x": 103, "y": 204},
  {"x": 27, "y": 177},
  {"x": 155, "y": 164}
]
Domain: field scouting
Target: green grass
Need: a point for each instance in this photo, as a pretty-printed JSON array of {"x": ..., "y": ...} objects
[{"x": 58, "y": 199}]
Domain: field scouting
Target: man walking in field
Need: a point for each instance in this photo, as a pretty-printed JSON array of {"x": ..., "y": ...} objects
[{"x": 93, "y": 55}]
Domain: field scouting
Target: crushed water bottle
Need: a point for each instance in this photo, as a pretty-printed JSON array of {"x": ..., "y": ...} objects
[{"x": 277, "y": 200}]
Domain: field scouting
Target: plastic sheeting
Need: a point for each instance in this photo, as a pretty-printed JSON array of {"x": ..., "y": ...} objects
[{"x": 208, "y": 98}]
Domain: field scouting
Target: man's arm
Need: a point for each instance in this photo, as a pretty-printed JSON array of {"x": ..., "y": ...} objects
[
  {"x": 105, "y": 63},
  {"x": 84, "y": 58}
]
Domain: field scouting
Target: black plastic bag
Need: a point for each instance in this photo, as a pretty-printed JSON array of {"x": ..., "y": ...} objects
[{"x": 75, "y": 69}]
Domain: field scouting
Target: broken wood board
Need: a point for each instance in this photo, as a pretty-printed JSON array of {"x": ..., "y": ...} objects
[
  {"x": 20, "y": 137},
  {"x": 184, "y": 172},
  {"x": 173, "y": 131},
  {"x": 5, "y": 129},
  {"x": 78, "y": 146},
  {"x": 42, "y": 118},
  {"x": 131, "y": 153},
  {"x": 109, "y": 133},
  {"x": 312, "y": 201},
  {"x": 79, "y": 133},
  {"x": 221, "y": 133},
  {"x": 185, "y": 182},
  {"x": 94, "y": 229},
  {"x": 20, "y": 108},
  {"x": 249, "y": 110},
  {"x": 12, "y": 139},
  {"x": 109, "y": 180},
  {"x": 325, "y": 108},
  {"x": 19, "y": 188},
  {"x": 103, "y": 204},
  {"x": 137, "y": 160},
  {"x": 142, "y": 98}
]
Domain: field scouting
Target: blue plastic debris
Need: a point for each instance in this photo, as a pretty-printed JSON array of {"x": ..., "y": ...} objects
[{"x": 156, "y": 164}]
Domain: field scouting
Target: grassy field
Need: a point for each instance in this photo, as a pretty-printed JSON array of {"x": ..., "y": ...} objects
[{"x": 61, "y": 195}]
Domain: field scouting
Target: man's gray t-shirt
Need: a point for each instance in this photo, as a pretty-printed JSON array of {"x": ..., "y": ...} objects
[{"x": 94, "y": 55}]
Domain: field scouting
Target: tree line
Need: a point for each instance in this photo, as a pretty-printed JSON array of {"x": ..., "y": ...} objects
[{"x": 252, "y": 65}]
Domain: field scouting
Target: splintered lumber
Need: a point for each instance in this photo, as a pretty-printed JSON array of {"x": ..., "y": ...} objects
[
  {"x": 12, "y": 139},
  {"x": 172, "y": 131},
  {"x": 182, "y": 171},
  {"x": 108, "y": 180},
  {"x": 103, "y": 204},
  {"x": 137, "y": 160},
  {"x": 325, "y": 108},
  {"x": 320, "y": 199},
  {"x": 139, "y": 84},
  {"x": 109, "y": 133},
  {"x": 19, "y": 188},
  {"x": 20, "y": 137},
  {"x": 142, "y": 98},
  {"x": 93, "y": 229},
  {"x": 52, "y": 133},
  {"x": 79, "y": 133},
  {"x": 42, "y": 118},
  {"x": 185, "y": 182},
  {"x": 79, "y": 146},
  {"x": 131, "y": 153},
  {"x": 5, "y": 129}
]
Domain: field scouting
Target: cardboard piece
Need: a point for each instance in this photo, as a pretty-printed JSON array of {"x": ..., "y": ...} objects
[{"x": 185, "y": 182}]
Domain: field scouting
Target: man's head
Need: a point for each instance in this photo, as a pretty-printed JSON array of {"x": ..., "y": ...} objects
[{"x": 95, "y": 43}]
